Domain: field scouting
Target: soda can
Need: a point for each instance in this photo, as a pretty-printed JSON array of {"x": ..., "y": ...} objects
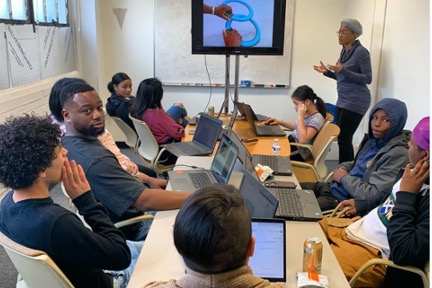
[{"x": 312, "y": 254}]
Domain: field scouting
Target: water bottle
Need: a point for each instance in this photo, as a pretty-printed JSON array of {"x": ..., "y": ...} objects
[{"x": 276, "y": 148}]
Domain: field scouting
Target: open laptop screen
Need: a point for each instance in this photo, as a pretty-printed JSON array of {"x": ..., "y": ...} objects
[
  {"x": 269, "y": 257},
  {"x": 225, "y": 158},
  {"x": 207, "y": 130}
]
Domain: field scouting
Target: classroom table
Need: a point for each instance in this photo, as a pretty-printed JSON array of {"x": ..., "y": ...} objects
[
  {"x": 159, "y": 260},
  {"x": 243, "y": 131}
]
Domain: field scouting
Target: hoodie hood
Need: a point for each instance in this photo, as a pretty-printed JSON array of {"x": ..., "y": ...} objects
[{"x": 398, "y": 113}]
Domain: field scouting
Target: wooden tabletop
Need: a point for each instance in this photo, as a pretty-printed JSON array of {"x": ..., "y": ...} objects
[{"x": 243, "y": 131}]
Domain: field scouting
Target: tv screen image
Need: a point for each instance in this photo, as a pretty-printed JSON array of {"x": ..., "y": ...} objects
[{"x": 259, "y": 22}]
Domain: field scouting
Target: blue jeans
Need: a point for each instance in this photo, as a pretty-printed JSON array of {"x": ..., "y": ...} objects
[
  {"x": 177, "y": 113},
  {"x": 121, "y": 278}
]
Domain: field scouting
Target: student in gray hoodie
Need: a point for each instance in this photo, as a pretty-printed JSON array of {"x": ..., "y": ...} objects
[{"x": 370, "y": 176}]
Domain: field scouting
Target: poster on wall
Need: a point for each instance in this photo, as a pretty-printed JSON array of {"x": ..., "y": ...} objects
[
  {"x": 23, "y": 53},
  {"x": 4, "y": 68},
  {"x": 66, "y": 50},
  {"x": 48, "y": 50}
]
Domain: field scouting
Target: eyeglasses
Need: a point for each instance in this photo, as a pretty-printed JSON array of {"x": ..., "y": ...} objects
[{"x": 343, "y": 32}]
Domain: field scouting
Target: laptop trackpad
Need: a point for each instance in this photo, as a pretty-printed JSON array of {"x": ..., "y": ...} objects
[{"x": 181, "y": 184}]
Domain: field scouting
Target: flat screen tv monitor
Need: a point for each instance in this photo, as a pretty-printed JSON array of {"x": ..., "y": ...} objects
[{"x": 260, "y": 23}]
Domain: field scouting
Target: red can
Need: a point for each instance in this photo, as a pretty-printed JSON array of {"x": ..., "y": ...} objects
[{"x": 312, "y": 255}]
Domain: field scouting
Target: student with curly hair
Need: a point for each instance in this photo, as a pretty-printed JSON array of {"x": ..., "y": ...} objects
[{"x": 31, "y": 159}]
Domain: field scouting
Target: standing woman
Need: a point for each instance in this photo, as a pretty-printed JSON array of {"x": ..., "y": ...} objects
[
  {"x": 120, "y": 101},
  {"x": 352, "y": 72}
]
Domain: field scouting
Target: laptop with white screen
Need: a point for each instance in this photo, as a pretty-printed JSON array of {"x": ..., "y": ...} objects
[
  {"x": 220, "y": 170},
  {"x": 269, "y": 259}
]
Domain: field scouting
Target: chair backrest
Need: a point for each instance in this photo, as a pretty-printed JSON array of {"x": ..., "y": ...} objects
[
  {"x": 148, "y": 147},
  {"x": 328, "y": 119},
  {"x": 131, "y": 135},
  {"x": 321, "y": 146},
  {"x": 36, "y": 267}
]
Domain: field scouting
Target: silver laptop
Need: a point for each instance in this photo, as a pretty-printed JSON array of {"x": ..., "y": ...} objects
[
  {"x": 281, "y": 165},
  {"x": 289, "y": 204},
  {"x": 220, "y": 170},
  {"x": 203, "y": 142},
  {"x": 269, "y": 258},
  {"x": 256, "y": 117},
  {"x": 261, "y": 130}
]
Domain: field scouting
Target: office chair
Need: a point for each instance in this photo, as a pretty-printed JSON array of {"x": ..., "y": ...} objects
[
  {"x": 36, "y": 269},
  {"x": 424, "y": 274},
  {"x": 314, "y": 168},
  {"x": 119, "y": 224},
  {"x": 131, "y": 135},
  {"x": 148, "y": 147}
]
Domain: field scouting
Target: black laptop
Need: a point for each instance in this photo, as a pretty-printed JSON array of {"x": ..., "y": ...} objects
[
  {"x": 203, "y": 142},
  {"x": 220, "y": 170},
  {"x": 281, "y": 165},
  {"x": 256, "y": 117},
  {"x": 289, "y": 204},
  {"x": 262, "y": 130}
]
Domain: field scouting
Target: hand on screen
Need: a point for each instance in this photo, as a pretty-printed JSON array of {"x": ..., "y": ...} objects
[
  {"x": 223, "y": 11},
  {"x": 232, "y": 38}
]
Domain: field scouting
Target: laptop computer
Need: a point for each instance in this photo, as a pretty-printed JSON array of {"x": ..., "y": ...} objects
[
  {"x": 289, "y": 204},
  {"x": 204, "y": 139},
  {"x": 262, "y": 130},
  {"x": 281, "y": 165},
  {"x": 269, "y": 259},
  {"x": 256, "y": 117},
  {"x": 220, "y": 170}
]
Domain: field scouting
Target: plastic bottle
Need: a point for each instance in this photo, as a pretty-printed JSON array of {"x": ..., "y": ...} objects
[{"x": 276, "y": 148}]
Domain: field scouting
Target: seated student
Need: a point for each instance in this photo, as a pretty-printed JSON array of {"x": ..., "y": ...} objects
[
  {"x": 382, "y": 153},
  {"x": 120, "y": 101},
  {"x": 145, "y": 174},
  {"x": 117, "y": 190},
  {"x": 311, "y": 111},
  {"x": 166, "y": 126},
  {"x": 31, "y": 158},
  {"x": 398, "y": 228},
  {"x": 213, "y": 234}
]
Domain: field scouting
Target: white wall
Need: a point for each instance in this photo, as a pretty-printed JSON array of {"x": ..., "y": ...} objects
[{"x": 395, "y": 32}]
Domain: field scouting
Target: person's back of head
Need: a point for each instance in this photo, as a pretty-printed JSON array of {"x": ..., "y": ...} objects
[
  {"x": 148, "y": 96},
  {"x": 304, "y": 92},
  {"x": 27, "y": 148},
  {"x": 54, "y": 98},
  {"x": 396, "y": 111},
  {"x": 212, "y": 230},
  {"x": 116, "y": 80}
]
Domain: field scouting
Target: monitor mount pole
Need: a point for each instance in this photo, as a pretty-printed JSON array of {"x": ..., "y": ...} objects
[{"x": 225, "y": 105}]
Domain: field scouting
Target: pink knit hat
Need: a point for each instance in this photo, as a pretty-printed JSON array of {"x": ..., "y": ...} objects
[{"x": 420, "y": 133}]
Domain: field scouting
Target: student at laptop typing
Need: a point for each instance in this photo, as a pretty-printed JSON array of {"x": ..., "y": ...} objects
[
  {"x": 311, "y": 111},
  {"x": 213, "y": 233}
]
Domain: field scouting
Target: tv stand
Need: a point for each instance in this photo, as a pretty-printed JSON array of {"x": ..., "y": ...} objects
[{"x": 225, "y": 104}]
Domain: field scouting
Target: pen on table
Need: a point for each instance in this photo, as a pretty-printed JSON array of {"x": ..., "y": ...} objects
[{"x": 249, "y": 140}]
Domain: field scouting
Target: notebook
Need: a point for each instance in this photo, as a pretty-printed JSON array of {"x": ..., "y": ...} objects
[
  {"x": 261, "y": 130},
  {"x": 203, "y": 142},
  {"x": 289, "y": 204},
  {"x": 256, "y": 117},
  {"x": 269, "y": 258},
  {"x": 281, "y": 165},
  {"x": 220, "y": 170}
]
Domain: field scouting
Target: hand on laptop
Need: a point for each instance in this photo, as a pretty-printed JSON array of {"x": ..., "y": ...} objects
[{"x": 272, "y": 121}]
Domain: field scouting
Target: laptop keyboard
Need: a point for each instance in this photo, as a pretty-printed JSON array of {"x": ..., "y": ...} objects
[
  {"x": 186, "y": 148},
  {"x": 289, "y": 203},
  {"x": 268, "y": 160},
  {"x": 200, "y": 180}
]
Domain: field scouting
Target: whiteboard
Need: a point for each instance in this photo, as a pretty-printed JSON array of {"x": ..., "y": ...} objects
[{"x": 175, "y": 64}]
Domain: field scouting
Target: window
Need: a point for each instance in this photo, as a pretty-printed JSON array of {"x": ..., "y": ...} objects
[{"x": 45, "y": 12}]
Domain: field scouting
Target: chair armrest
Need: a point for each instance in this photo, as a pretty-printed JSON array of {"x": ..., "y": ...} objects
[
  {"x": 379, "y": 261},
  {"x": 307, "y": 146},
  {"x": 133, "y": 220}
]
